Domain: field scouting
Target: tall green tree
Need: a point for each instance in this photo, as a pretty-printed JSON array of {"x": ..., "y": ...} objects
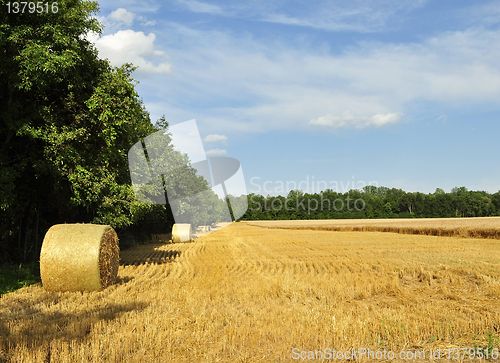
[
  {"x": 67, "y": 119},
  {"x": 48, "y": 72}
]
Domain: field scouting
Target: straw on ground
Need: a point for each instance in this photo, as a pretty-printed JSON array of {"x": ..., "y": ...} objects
[{"x": 250, "y": 294}]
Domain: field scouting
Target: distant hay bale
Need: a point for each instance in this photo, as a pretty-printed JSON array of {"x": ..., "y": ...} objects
[
  {"x": 203, "y": 229},
  {"x": 79, "y": 257},
  {"x": 181, "y": 232}
]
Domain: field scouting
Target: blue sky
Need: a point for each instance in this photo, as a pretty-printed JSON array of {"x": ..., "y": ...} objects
[{"x": 402, "y": 94}]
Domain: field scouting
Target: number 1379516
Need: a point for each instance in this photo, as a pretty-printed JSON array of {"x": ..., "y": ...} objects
[{"x": 31, "y": 7}]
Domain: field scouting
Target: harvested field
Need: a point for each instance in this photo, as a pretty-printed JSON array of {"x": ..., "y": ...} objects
[
  {"x": 250, "y": 294},
  {"x": 481, "y": 227}
]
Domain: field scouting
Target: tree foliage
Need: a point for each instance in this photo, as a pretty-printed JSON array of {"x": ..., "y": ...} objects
[
  {"x": 67, "y": 121},
  {"x": 49, "y": 70}
]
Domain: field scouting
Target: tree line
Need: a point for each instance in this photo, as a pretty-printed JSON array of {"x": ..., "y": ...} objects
[{"x": 373, "y": 202}]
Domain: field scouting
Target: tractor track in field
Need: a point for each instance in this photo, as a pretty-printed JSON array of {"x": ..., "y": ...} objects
[{"x": 231, "y": 256}]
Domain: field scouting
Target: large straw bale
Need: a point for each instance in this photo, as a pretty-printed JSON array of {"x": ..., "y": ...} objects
[
  {"x": 181, "y": 232},
  {"x": 79, "y": 257}
]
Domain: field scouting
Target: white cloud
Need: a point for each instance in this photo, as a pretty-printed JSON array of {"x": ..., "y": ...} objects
[
  {"x": 216, "y": 138},
  {"x": 381, "y": 120},
  {"x": 216, "y": 152},
  {"x": 121, "y": 15},
  {"x": 128, "y": 46},
  {"x": 334, "y": 121},
  {"x": 121, "y": 18},
  {"x": 347, "y": 120}
]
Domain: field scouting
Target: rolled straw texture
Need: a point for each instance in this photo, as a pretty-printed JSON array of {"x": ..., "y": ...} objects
[
  {"x": 181, "y": 232},
  {"x": 79, "y": 257}
]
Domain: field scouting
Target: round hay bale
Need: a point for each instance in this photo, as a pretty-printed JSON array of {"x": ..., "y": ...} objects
[
  {"x": 79, "y": 257},
  {"x": 181, "y": 232}
]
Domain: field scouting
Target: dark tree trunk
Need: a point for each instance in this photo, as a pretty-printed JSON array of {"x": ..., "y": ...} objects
[{"x": 37, "y": 250}]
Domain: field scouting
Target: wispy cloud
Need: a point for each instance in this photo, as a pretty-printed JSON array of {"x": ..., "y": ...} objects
[
  {"x": 216, "y": 152},
  {"x": 360, "y": 16},
  {"x": 348, "y": 120},
  {"x": 481, "y": 14},
  {"x": 235, "y": 81},
  {"x": 216, "y": 138},
  {"x": 136, "y": 6},
  {"x": 201, "y": 7},
  {"x": 268, "y": 86}
]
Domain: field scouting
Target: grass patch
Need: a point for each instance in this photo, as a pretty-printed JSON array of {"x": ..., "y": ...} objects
[{"x": 14, "y": 277}]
